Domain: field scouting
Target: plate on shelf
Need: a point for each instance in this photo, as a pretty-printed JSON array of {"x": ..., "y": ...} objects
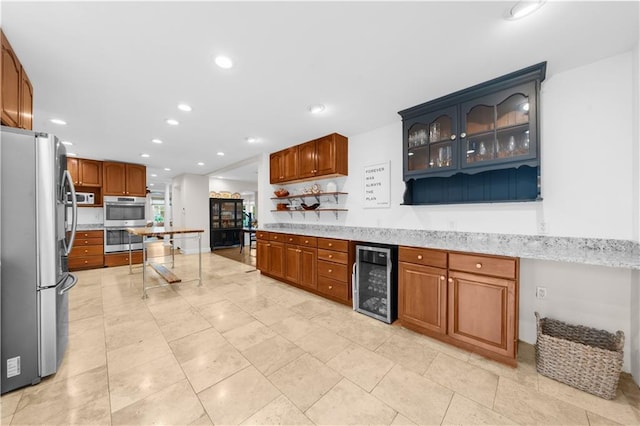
[{"x": 311, "y": 207}]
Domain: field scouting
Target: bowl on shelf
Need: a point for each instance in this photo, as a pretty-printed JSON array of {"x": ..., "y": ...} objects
[
  {"x": 311, "y": 207},
  {"x": 282, "y": 206},
  {"x": 281, "y": 192}
]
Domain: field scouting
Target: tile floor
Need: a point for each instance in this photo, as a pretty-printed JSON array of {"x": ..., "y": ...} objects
[{"x": 246, "y": 349}]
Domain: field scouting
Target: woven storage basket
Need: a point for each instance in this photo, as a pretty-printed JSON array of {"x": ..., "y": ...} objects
[{"x": 585, "y": 358}]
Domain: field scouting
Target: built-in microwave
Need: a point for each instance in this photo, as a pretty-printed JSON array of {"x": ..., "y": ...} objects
[
  {"x": 124, "y": 212},
  {"x": 82, "y": 197}
]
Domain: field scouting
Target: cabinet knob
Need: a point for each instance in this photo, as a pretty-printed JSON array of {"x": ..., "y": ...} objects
[
  {"x": 463, "y": 135},
  {"x": 290, "y": 239},
  {"x": 478, "y": 265},
  {"x": 330, "y": 256},
  {"x": 86, "y": 251},
  {"x": 86, "y": 261},
  {"x": 330, "y": 244},
  {"x": 268, "y": 245},
  {"x": 306, "y": 241},
  {"x": 450, "y": 280},
  {"x": 453, "y": 137},
  {"x": 80, "y": 183},
  {"x": 299, "y": 251},
  {"x": 330, "y": 271},
  {"x": 330, "y": 287},
  {"x": 442, "y": 277},
  {"x": 419, "y": 257},
  {"x": 275, "y": 238},
  {"x": 86, "y": 242}
]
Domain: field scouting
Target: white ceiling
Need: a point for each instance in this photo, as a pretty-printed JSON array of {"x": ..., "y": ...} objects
[{"x": 116, "y": 70}]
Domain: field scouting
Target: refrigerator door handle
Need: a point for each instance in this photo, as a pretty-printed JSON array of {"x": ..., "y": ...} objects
[
  {"x": 74, "y": 209},
  {"x": 74, "y": 281}
]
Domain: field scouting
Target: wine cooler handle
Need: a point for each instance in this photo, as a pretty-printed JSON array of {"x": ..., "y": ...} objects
[{"x": 354, "y": 285}]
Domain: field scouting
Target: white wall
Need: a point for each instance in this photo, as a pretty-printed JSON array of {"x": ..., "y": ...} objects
[
  {"x": 635, "y": 281},
  {"x": 191, "y": 209}
]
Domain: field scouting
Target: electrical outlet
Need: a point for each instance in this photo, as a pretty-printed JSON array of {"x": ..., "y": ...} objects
[
  {"x": 543, "y": 228},
  {"x": 541, "y": 292}
]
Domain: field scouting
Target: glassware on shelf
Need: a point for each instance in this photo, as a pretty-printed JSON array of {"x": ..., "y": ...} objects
[{"x": 434, "y": 132}]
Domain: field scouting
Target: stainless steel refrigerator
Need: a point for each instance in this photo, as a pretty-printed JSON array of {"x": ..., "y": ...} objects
[{"x": 37, "y": 232}]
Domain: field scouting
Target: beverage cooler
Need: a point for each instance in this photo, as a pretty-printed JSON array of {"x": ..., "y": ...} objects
[{"x": 375, "y": 281}]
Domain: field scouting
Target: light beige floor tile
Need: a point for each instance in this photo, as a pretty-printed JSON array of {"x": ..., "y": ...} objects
[
  {"x": 409, "y": 353},
  {"x": 272, "y": 314},
  {"x": 183, "y": 324},
  {"x": 196, "y": 344},
  {"x": 596, "y": 420},
  {"x": 472, "y": 382},
  {"x": 92, "y": 413},
  {"x": 630, "y": 389},
  {"x": 272, "y": 354},
  {"x": 417, "y": 398},
  {"x": 238, "y": 397},
  {"x": 323, "y": 344},
  {"x": 197, "y": 296},
  {"x": 294, "y": 328},
  {"x": 88, "y": 308},
  {"x": 9, "y": 402},
  {"x": 371, "y": 337},
  {"x": 6, "y": 420},
  {"x": 254, "y": 302},
  {"x": 49, "y": 399},
  {"x": 280, "y": 411},
  {"x": 305, "y": 380},
  {"x": 248, "y": 335},
  {"x": 225, "y": 316},
  {"x": 617, "y": 409},
  {"x": 361, "y": 366},
  {"x": 528, "y": 406},
  {"x": 311, "y": 308},
  {"x": 463, "y": 411},
  {"x": 138, "y": 353},
  {"x": 164, "y": 311},
  {"x": 347, "y": 404},
  {"x": 176, "y": 404},
  {"x": 209, "y": 368},
  {"x": 134, "y": 384},
  {"x": 203, "y": 420},
  {"x": 81, "y": 359},
  {"x": 525, "y": 373},
  {"x": 401, "y": 420},
  {"x": 128, "y": 332}
]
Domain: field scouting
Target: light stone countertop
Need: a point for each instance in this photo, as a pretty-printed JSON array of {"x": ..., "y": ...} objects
[
  {"x": 90, "y": 226},
  {"x": 590, "y": 251}
]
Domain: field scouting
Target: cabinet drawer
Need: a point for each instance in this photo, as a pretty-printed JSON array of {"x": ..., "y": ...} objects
[
  {"x": 86, "y": 251},
  {"x": 423, "y": 256},
  {"x": 333, "y": 288},
  {"x": 80, "y": 235},
  {"x": 275, "y": 236},
  {"x": 80, "y": 262},
  {"x": 504, "y": 267},
  {"x": 119, "y": 259},
  {"x": 81, "y": 242},
  {"x": 333, "y": 256},
  {"x": 290, "y": 239},
  {"x": 333, "y": 270},
  {"x": 307, "y": 241},
  {"x": 331, "y": 244},
  {"x": 262, "y": 235}
]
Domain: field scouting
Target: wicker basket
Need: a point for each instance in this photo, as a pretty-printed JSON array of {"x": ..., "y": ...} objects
[{"x": 585, "y": 358}]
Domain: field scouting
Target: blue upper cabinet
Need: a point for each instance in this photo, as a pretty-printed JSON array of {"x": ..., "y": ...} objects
[{"x": 488, "y": 127}]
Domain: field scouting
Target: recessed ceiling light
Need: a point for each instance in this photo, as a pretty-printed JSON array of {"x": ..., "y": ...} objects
[
  {"x": 184, "y": 107},
  {"x": 68, "y": 143},
  {"x": 145, "y": 155},
  {"x": 58, "y": 121},
  {"x": 166, "y": 169},
  {"x": 154, "y": 175},
  {"x": 156, "y": 141},
  {"x": 251, "y": 139},
  {"x": 524, "y": 8},
  {"x": 71, "y": 154},
  {"x": 316, "y": 109},
  {"x": 223, "y": 62},
  {"x": 151, "y": 184},
  {"x": 201, "y": 164},
  {"x": 220, "y": 177},
  {"x": 220, "y": 153},
  {"x": 172, "y": 122}
]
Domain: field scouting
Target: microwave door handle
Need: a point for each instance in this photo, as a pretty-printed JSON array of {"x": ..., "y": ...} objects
[{"x": 74, "y": 209}]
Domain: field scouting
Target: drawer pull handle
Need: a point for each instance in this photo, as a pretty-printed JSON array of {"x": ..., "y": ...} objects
[
  {"x": 330, "y": 256},
  {"x": 86, "y": 261},
  {"x": 275, "y": 238},
  {"x": 86, "y": 251},
  {"x": 442, "y": 277},
  {"x": 306, "y": 241},
  {"x": 450, "y": 280},
  {"x": 299, "y": 251},
  {"x": 478, "y": 265},
  {"x": 290, "y": 239},
  {"x": 330, "y": 287},
  {"x": 86, "y": 242},
  {"x": 268, "y": 245},
  {"x": 330, "y": 244},
  {"x": 330, "y": 270},
  {"x": 419, "y": 257}
]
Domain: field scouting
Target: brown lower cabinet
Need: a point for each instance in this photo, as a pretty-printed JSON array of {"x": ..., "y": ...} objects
[
  {"x": 122, "y": 258},
  {"x": 300, "y": 262},
  {"x": 270, "y": 255},
  {"x": 87, "y": 251},
  {"x": 468, "y": 300}
]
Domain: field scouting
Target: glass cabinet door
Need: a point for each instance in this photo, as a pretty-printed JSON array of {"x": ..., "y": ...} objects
[
  {"x": 228, "y": 214},
  {"x": 431, "y": 142},
  {"x": 497, "y": 128},
  {"x": 215, "y": 214}
]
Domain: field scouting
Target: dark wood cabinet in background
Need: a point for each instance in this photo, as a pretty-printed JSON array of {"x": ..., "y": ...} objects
[
  {"x": 17, "y": 91},
  {"x": 225, "y": 222},
  {"x": 124, "y": 179}
]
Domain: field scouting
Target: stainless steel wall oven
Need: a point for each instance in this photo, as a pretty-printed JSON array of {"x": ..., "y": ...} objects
[
  {"x": 117, "y": 239},
  {"x": 124, "y": 212}
]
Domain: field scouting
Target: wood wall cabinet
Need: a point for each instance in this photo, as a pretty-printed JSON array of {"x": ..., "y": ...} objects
[
  {"x": 468, "y": 300},
  {"x": 422, "y": 288},
  {"x": 283, "y": 165},
  {"x": 85, "y": 172},
  {"x": 301, "y": 260},
  {"x": 17, "y": 91},
  {"x": 124, "y": 179},
  {"x": 122, "y": 258},
  {"x": 87, "y": 251},
  {"x": 270, "y": 254}
]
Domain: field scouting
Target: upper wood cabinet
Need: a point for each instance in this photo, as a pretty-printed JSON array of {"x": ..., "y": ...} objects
[
  {"x": 323, "y": 157},
  {"x": 124, "y": 179},
  {"x": 17, "y": 92},
  {"x": 85, "y": 172},
  {"x": 283, "y": 165}
]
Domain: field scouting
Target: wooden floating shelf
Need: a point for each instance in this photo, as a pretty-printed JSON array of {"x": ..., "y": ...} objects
[
  {"x": 317, "y": 211},
  {"x": 316, "y": 196}
]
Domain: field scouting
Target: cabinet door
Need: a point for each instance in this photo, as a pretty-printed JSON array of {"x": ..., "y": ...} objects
[
  {"x": 292, "y": 263},
  {"x": 11, "y": 69},
  {"x": 26, "y": 102},
  {"x": 136, "y": 180},
  {"x": 332, "y": 155},
  {"x": 262, "y": 255},
  {"x": 276, "y": 259},
  {"x": 276, "y": 173},
  {"x": 72, "y": 166},
  {"x": 422, "y": 296},
  {"x": 308, "y": 261},
  {"x": 290, "y": 163},
  {"x": 307, "y": 160},
  {"x": 114, "y": 178},
  {"x": 89, "y": 173},
  {"x": 483, "y": 312}
]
